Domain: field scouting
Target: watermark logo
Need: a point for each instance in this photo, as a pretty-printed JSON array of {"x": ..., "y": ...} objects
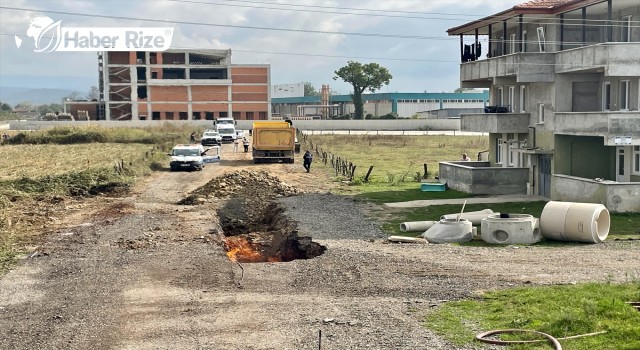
[{"x": 49, "y": 35}]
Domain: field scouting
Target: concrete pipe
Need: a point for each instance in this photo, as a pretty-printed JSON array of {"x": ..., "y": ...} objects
[
  {"x": 515, "y": 229},
  {"x": 474, "y": 216},
  {"x": 576, "y": 222},
  {"x": 449, "y": 231},
  {"x": 416, "y": 226}
]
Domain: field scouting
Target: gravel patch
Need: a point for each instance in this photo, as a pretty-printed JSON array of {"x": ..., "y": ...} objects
[{"x": 329, "y": 216}]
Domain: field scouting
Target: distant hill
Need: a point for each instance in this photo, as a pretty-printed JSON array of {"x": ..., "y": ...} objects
[{"x": 15, "y": 95}]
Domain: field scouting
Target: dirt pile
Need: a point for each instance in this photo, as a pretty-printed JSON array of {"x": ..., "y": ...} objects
[{"x": 242, "y": 183}]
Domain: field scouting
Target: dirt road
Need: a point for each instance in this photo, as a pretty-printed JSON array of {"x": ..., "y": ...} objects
[{"x": 142, "y": 272}]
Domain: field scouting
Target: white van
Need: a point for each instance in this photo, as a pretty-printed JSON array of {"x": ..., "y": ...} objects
[{"x": 227, "y": 131}]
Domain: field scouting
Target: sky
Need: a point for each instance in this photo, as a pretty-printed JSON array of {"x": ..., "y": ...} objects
[{"x": 408, "y": 37}]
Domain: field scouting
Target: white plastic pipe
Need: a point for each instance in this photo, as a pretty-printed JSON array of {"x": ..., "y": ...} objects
[
  {"x": 416, "y": 226},
  {"x": 577, "y": 222},
  {"x": 474, "y": 216}
]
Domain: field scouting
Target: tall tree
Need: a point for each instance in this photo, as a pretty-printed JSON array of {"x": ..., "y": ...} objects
[
  {"x": 363, "y": 77},
  {"x": 310, "y": 90}
]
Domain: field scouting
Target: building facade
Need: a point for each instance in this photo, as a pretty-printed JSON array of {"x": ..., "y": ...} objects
[
  {"x": 180, "y": 85},
  {"x": 405, "y": 105},
  {"x": 566, "y": 74}
]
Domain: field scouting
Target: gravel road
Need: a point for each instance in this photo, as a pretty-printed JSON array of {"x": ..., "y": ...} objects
[{"x": 142, "y": 272}]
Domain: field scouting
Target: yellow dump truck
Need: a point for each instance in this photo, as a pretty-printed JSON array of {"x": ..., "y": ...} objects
[{"x": 273, "y": 140}]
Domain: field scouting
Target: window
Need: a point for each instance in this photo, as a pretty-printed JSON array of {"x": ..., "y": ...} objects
[
  {"x": 524, "y": 41},
  {"x": 250, "y": 115},
  {"x": 512, "y": 91},
  {"x": 636, "y": 160},
  {"x": 512, "y": 42},
  {"x": 262, "y": 115},
  {"x": 541, "y": 113},
  {"x": 606, "y": 96},
  {"x": 500, "y": 98},
  {"x": 499, "y": 150},
  {"x": 624, "y": 95},
  {"x": 523, "y": 99},
  {"x": 625, "y": 29},
  {"x": 541, "y": 41}
]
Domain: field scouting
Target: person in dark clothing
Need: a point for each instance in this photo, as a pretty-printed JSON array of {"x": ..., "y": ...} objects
[
  {"x": 192, "y": 137},
  {"x": 307, "y": 159}
]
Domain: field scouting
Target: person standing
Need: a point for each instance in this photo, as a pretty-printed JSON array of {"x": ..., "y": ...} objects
[
  {"x": 235, "y": 145},
  {"x": 192, "y": 137},
  {"x": 465, "y": 157},
  {"x": 245, "y": 144},
  {"x": 307, "y": 158}
]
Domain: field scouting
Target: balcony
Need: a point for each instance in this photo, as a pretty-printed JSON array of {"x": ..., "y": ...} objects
[
  {"x": 609, "y": 125},
  {"x": 527, "y": 67},
  {"x": 615, "y": 59},
  {"x": 495, "y": 122}
]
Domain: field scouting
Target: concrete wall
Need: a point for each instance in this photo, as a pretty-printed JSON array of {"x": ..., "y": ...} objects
[
  {"x": 480, "y": 178},
  {"x": 404, "y": 124},
  {"x": 617, "y": 197}
]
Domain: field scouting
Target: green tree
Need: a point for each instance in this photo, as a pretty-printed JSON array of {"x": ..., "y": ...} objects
[
  {"x": 5, "y": 107},
  {"x": 309, "y": 90},
  {"x": 50, "y": 108},
  {"x": 363, "y": 77}
]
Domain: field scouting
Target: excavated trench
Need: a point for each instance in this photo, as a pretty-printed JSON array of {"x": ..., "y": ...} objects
[
  {"x": 254, "y": 226},
  {"x": 254, "y": 234}
]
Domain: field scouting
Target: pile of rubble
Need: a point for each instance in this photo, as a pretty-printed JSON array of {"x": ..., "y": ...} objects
[{"x": 256, "y": 184}]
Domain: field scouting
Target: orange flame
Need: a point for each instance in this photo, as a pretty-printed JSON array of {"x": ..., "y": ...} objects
[{"x": 240, "y": 249}]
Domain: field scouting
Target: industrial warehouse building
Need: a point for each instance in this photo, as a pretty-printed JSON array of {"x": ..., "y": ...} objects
[
  {"x": 405, "y": 105},
  {"x": 177, "y": 85}
]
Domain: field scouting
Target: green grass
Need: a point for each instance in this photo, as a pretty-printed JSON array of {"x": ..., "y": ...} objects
[
  {"x": 397, "y": 159},
  {"x": 557, "y": 310},
  {"x": 401, "y": 192}
]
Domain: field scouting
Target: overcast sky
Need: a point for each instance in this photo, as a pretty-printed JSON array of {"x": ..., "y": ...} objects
[{"x": 428, "y": 63}]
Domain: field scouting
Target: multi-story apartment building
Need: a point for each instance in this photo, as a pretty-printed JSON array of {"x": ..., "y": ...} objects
[
  {"x": 178, "y": 85},
  {"x": 567, "y": 74}
]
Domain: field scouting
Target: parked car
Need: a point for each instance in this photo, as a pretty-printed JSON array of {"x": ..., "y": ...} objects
[
  {"x": 187, "y": 157},
  {"x": 211, "y": 138}
]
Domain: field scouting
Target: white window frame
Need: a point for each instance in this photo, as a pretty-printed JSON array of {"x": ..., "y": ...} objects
[
  {"x": 635, "y": 160},
  {"x": 512, "y": 43},
  {"x": 524, "y": 40},
  {"x": 511, "y": 98},
  {"x": 511, "y": 153},
  {"x": 625, "y": 29},
  {"x": 500, "y": 101},
  {"x": 624, "y": 94},
  {"x": 499, "y": 150},
  {"x": 541, "y": 39},
  {"x": 606, "y": 95},
  {"x": 523, "y": 99},
  {"x": 540, "y": 113}
]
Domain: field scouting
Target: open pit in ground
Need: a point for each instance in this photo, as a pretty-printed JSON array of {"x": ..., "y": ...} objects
[{"x": 255, "y": 227}]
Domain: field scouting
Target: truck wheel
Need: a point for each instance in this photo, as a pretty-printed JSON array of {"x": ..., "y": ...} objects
[{"x": 256, "y": 161}]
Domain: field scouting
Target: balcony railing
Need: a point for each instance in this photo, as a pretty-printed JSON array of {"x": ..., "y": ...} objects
[
  {"x": 495, "y": 122},
  {"x": 611, "y": 125},
  {"x": 529, "y": 67}
]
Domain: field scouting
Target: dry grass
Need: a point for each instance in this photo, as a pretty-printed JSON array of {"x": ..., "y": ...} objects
[
  {"x": 34, "y": 161},
  {"x": 398, "y": 158}
]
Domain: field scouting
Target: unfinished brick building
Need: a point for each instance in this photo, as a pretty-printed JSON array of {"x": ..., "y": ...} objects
[{"x": 181, "y": 85}]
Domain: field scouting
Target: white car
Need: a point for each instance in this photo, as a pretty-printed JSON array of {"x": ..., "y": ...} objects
[
  {"x": 187, "y": 157},
  {"x": 210, "y": 138},
  {"x": 239, "y": 134}
]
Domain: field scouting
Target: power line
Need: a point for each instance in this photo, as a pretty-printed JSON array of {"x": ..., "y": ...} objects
[
  {"x": 385, "y": 13},
  {"x": 378, "y": 35}
]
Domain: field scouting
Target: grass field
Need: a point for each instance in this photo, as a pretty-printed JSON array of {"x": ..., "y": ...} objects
[
  {"x": 33, "y": 161},
  {"x": 556, "y": 310},
  {"x": 398, "y": 158}
]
